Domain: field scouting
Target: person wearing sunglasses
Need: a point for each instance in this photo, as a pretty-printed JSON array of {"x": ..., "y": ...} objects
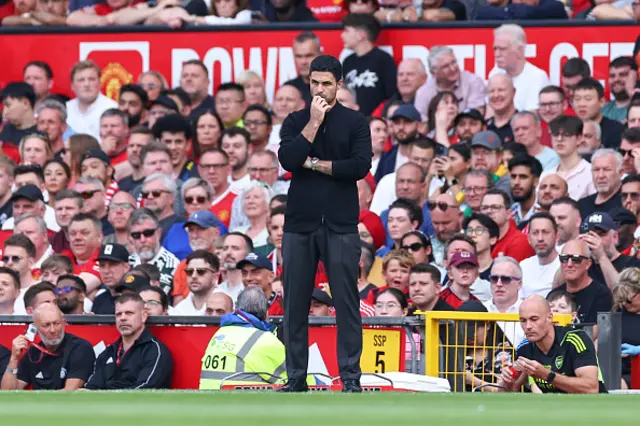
[
  {"x": 484, "y": 232},
  {"x": 114, "y": 264},
  {"x": 71, "y": 291},
  {"x": 626, "y": 297},
  {"x": 591, "y": 296},
  {"x": 506, "y": 284},
  {"x": 203, "y": 273},
  {"x": 93, "y": 193},
  {"x": 145, "y": 233},
  {"x": 630, "y": 194},
  {"x": 418, "y": 245},
  {"x": 539, "y": 271},
  {"x": 446, "y": 218}
]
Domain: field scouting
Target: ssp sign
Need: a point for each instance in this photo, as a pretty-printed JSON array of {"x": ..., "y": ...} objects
[{"x": 383, "y": 350}]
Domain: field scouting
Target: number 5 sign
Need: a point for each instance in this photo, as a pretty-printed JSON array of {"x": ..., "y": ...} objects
[{"x": 383, "y": 350}]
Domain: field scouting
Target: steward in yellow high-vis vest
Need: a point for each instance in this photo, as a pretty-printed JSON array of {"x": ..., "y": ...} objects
[{"x": 244, "y": 343}]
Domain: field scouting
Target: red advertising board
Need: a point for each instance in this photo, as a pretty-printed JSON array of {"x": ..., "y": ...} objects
[
  {"x": 382, "y": 347},
  {"x": 229, "y": 52}
]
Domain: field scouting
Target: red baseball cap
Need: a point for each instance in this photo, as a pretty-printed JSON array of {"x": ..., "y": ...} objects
[
  {"x": 375, "y": 227},
  {"x": 462, "y": 257}
]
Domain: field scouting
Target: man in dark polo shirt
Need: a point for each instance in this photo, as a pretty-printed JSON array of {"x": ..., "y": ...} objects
[
  {"x": 137, "y": 360},
  {"x": 60, "y": 361},
  {"x": 424, "y": 289},
  {"x": 18, "y": 100},
  {"x": 114, "y": 264}
]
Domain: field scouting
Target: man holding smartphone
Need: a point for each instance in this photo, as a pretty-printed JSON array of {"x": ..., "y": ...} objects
[
  {"x": 327, "y": 147},
  {"x": 61, "y": 361}
]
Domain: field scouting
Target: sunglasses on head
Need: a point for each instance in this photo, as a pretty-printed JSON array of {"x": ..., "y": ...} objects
[
  {"x": 156, "y": 193},
  {"x": 147, "y": 233},
  {"x": 413, "y": 247},
  {"x": 439, "y": 204},
  {"x": 88, "y": 194},
  {"x": 199, "y": 271},
  {"x": 14, "y": 259},
  {"x": 66, "y": 289},
  {"x": 504, "y": 279},
  {"x": 199, "y": 199},
  {"x": 577, "y": 259}
]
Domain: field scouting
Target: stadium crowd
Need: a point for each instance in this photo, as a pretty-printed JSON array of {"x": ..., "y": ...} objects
[{"x": 173, "y": 200}]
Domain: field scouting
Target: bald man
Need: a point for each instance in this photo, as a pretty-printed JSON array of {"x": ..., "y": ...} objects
[
  {"x": 591, "y": 296},
  {"x": 218, "y": 304},
  {"x": 347, "y": 97},
  {"x": 569, "y": 353},
  {"x": 61, "y": 361},
  {"x": 551, "y": 187},
  {"x": 411, "y": 76},
  {"x": 501, "y": 94}
]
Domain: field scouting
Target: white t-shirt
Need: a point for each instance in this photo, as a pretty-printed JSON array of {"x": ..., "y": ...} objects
[
  {"x": 238, "y": 186},
  {"x": 537, "y": 278},
  {"x": 88, "y": 122},
  {"x": 186, "y": 307},
  {"x": 527, "y": 84},
  {"x": 385, "y": 193}
]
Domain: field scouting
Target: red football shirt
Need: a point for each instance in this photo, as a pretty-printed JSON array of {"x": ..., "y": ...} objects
[
  {"x": 514, "y": 244},
  {"x": 276, "y": 308},
  {"x": 222, "y": 206},
  {"x": 119, "y": 158},
  {"x": 452, "y": 299},
  {"x": 90, "y": 266}
]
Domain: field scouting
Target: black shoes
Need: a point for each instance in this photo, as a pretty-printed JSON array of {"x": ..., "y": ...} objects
[
  {"x": 294, "y": 386},
  {"x": 351, "y": 386}
]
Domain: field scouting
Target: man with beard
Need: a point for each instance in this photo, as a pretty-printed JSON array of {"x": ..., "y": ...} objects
[
  {"x": 630, "y": 194},
  {"x": 539, "y": 271},
  {"x": 174, "y": 131},
  {"x": 114, "y": 264},
  {"x": 133, "y": 101},
  {"x": 236, "y": 246},
  {"x": 404, "y": 130},
  {"x": 527, "y": 131},
  {"x": 194, "y": 79},
  {"x": 61, "y": 361},
  {"x": 306, "y": 47},
  {"x": 203, "y": 271},
  {"x": 600, "y": 233},
  {"x": 552, "y": 187},
  {"x": 235, "y": 143},
  {"x": 501, "y": 94},
  {"x": 525, "y": 172},
  {"x": 66, "y": 204},
  {"x": 606, "y": 169},
  {"x": 467, "y": 123},
  {"x": 71, "y": 292},
  {"x": 139, "y": 138},
  {"x": 629, "y": 150},
  {"x": 145, "y": 232},
  {"x": 203, "y": 228},
  {"x": 566, "y": 133},
  {"x": 566, "y": 213},
  {"x": 623, "y": 74},
  {"x": 137, "y": 360}
]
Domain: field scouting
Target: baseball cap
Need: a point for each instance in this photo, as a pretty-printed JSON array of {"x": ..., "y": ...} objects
[
  {"x": 407, "y": 111},
  {"x": 322, "y": 297},
  {"x": 469, "y": 112},
  {"x": 597, "y": 220},
  {"x": 96, "y": 153},
  {"x": 487, "y": 139},
  {"x": 114, "y": 252},
  {"x": 132, "y": 282},
  {"x": 622, "y": 216},
  {"x": 257, "y": 260},
  {"x": 462, "y": 257},
  {"x": 30, "y": 192},
  {"x": 204, "y": 219},
  {"x": 166, "y": 102}
]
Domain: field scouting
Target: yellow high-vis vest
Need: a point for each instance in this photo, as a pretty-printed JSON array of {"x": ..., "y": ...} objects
[{"x": 235, "y": 349}]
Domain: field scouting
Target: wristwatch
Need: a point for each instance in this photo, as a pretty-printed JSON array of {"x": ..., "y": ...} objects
[
  {"x": 551, "y": 377},
  {"x": 13, "y": 371},
  {"x": 314, "y": 163}
]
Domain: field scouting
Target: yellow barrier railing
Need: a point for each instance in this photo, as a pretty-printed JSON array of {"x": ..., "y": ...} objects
[{"x": 470, "y": 348}]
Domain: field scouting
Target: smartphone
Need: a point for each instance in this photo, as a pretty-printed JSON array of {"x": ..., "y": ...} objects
[{"x": 31, "y": 332}]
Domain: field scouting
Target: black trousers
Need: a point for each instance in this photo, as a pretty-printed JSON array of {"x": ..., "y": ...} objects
[{"x": 341, "y": 256}]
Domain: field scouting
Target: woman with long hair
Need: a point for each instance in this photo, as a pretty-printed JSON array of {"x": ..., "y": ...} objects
[
  {"x": 441, "y": 114},
  {"x": 255, "y": 92},
  {"x": 35, "y": 149},
  {"x": 57, "y": 175},
  {"x": 207, "y": 128}
]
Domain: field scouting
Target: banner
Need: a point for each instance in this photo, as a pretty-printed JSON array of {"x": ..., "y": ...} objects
[
  {"x": 228, "y": 52},
  {"x": 383, "y": 349}
]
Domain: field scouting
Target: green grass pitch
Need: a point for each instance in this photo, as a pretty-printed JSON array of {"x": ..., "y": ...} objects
[{"x": 335, "y": 409}]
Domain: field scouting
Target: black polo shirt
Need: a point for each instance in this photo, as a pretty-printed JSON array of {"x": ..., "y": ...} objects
[
  {"x": 146, "y": 365},
  {"x": 505, "y": 132},
  {"x": 571, "y": 349},
  {"x": 12, "y": 134},
  {"x": 5, "y": 355},
  {"x": 73, "y": 359},
  {"x": 594, "y": 298},
  {"x": 104, "y": 304},
  {"x": 588, "y": 205},
  {"x": 622, "y": 262}
]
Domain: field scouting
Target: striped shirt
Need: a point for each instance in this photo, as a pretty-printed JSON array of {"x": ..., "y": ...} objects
[
  {"x": 110, "y": 192},
  {"x": 166, "y": 262}
]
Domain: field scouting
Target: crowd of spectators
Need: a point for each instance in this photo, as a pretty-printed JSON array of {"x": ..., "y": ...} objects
[
  {"x": 479, "y": 191},
  {"x": 176, "y": 14}
]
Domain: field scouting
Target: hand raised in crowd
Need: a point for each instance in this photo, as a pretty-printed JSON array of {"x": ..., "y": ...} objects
[
  {"x": 442, "y": 118},
  {"x": 594, "y": 242},
  {"x": 319, "y": 108},
  {"x": 19, "y": 344},
  {"x": 443, "y": 167},
  {"x": 410, "y": 14}
]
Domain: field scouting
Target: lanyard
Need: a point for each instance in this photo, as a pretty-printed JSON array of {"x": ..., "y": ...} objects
[
  {"x": 42, "y": 350},
  {"x": 120, "y": 353}
]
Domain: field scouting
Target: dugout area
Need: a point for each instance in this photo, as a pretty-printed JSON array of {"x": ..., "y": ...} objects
[{"x": 175, "y": 408}]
